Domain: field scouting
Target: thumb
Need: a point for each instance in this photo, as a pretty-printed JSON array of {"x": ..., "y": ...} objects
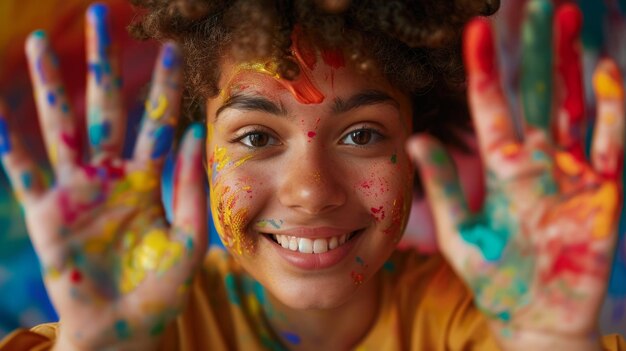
[{"x": 189, "y": 200}]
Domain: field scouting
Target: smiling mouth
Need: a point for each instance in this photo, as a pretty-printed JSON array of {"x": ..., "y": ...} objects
[{"x": 312, "y": 246}]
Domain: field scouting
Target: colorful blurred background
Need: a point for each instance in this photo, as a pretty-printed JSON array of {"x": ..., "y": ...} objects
[{"x": 23, "y": 300}]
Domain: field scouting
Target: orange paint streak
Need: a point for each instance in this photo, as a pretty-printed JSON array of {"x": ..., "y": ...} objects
[
  {"x": 568, "y": 164},
  {"x": 607, "y": 85},
  {"x": 600, "y": 207}
]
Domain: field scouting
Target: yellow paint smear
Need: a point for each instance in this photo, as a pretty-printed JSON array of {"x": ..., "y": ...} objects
[
  {"x": 155, "y": 253},
  {"x": 568, "y": 164},
  {"x": 220, "y": 158},
  {"x": 142, "y": 181},
  {"x": 606, "y": 86},
  {"x": 157, "y": 111},
  {"x": 599, "y": 206}
]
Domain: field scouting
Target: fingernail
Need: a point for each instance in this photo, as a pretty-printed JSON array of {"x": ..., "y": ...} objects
[
  {"x": 479, "y": 51},
  {"x": 5, "y": 141},
  {"x": 606, "y": 81}
]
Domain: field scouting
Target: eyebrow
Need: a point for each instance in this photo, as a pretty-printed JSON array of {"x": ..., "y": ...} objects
[
  {"x": 251, "y": 103},
  {"x": 364, "y": 98}
]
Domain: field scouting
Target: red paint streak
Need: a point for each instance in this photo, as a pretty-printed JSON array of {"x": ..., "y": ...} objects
[
  {"x": 333, "y": 58},
  {"x": 377, "y": 211},
  {"x": 569, "y": 23},
  {"x": 357, "y": 278},
  {"x": 576, "y": 259},
  {"x": 71, "y": 141},
  {"x": 311, "y": 134},
  {"x": 75, "y": 276},
  {"x": 302, "y": 49},
  {"x": 479, "y": 52},
  {"x": 303, "y": 89}
]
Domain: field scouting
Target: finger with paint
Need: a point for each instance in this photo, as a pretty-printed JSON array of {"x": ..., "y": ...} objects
[
  {"x": 607, "y": 148},
  {"x": 536, "y": 70},
  {"x": 488, "y": 105},
  {"x": 443, "y": 190},
  {"x": 569, "y": 123},
  {"x": 55, "y": 116},
  {"x": 189, "y": 199},
  {"x": 162, "y": 107},
  {"x": 105, "y": 115}
]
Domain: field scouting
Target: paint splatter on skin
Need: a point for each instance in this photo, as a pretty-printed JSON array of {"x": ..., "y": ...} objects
[
  {"x": 156, "y": 109},
  {"x": 357, "y": 278},
  {"x": 5, "y": 141},
  {"x": 163, "y": 139},
  {"x": 291, "y": 338},
  {"x": 378, "y": 213},
  {"x": 275, "y": 223}
]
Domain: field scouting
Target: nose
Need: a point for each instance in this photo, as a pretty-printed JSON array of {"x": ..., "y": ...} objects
[{"x": 310, "y": 185}]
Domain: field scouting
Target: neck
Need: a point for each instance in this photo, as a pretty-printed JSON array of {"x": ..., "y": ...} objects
[{"x": 339, "y": 328}]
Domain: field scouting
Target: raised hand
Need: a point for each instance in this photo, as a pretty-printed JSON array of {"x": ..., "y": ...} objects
[
  {"x": 110, "y": 259},
  {"x": 538, "y": 254}
]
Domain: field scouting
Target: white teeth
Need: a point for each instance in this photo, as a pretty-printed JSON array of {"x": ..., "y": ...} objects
[
  {"x": 293, "y": 243},
  {"x": 320, "y": 245},
  {"x": 333, "y": 243},
  {"x": 306, "y": 245}
]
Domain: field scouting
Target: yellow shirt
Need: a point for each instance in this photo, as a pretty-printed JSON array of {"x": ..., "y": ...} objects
[{"x": 424, "y": 306}]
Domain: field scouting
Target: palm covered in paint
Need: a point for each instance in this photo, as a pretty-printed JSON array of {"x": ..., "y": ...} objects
[
  {"x": 537, "y": 256},
  {"x": 110, "y": 259}
]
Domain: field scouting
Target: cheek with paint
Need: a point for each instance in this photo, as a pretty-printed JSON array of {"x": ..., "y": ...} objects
[
  {"x": 387, "y": 196},
  {"x": 229, "y": 198}
]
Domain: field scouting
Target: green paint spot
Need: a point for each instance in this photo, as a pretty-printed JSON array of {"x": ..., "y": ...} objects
[
  {"x": 157, "y": 329},
  {"x": 189, "y": 244},
  {"x": 231, "y": 288},
  {"x": 259, "y": 292},
  {"x": 389, "y": 266},
  {"x": 490, "y": 241},
  {"x": 394, "y": 159},
  {"x": 536, "y": 84},
  {"x": 122, "y": 330},
  {"x": 438, "y": 157},
  {"x": 197, "y": 130},
  {"x": 504, "y": 316},
  {"x": 39, "y": 34}
]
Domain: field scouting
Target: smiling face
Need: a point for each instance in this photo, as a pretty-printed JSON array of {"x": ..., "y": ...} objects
[{"x": 310, "y": 183}]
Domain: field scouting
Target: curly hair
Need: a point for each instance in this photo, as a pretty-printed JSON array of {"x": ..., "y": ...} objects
[{"x": 415, "y": 44}]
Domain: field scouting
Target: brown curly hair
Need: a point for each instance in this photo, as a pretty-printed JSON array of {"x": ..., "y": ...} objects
[{"x": 414, "y": 43}]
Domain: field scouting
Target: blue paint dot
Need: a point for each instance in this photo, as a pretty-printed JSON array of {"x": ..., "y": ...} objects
[
  {"x": 65, "y": 108},
  {"x": 52, "y": 99},
  {"x": 122, "y": 329},
  {"x": 5, "y": 141},
  {"x": 291, "y": 338},
  {"x": 99, "y": 132},
  {"x": 164, "y": 136},
  {"x": 170, "y": 56},
  {"x": 490, "y": 241},
  {"x": 97, "y": 71},
  {"x": 27, "y": 180}
]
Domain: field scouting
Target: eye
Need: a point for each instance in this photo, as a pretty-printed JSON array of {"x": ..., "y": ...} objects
[
  {"x": 361, "y": 137},
  {"x": 257, "y": 139}
]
